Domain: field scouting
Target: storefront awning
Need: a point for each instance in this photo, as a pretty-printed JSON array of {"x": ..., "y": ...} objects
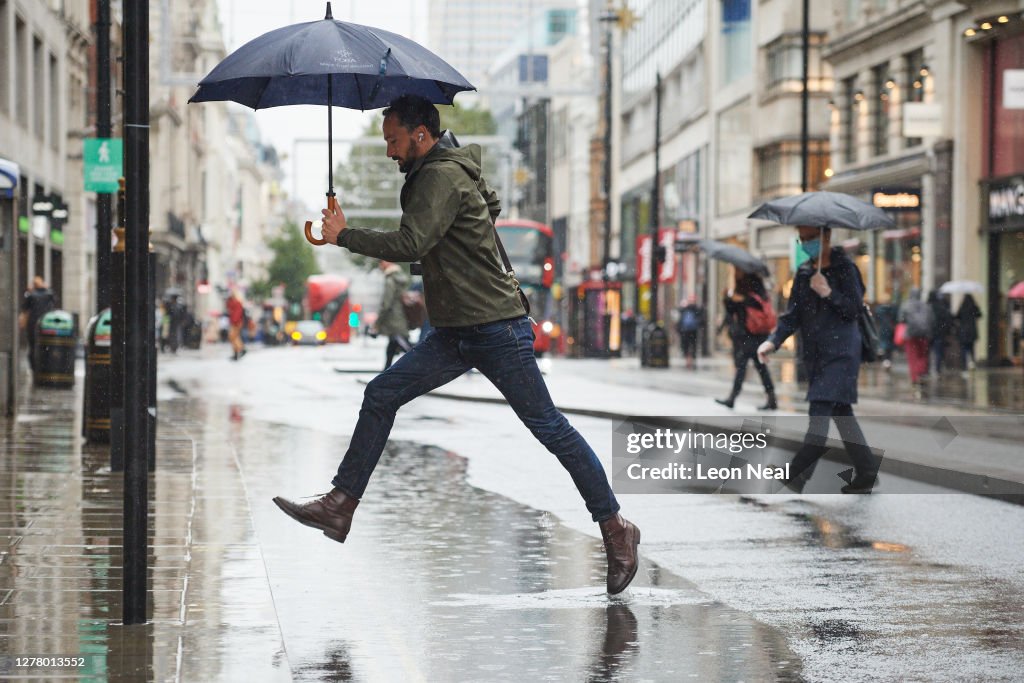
[{"x": 9, "y": 174}]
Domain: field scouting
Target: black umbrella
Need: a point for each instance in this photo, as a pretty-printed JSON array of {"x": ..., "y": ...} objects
[
  {"x": 331, "y": 63},
  {"x": 824, "y": 210},
  {"x": 740, "y": 258}
]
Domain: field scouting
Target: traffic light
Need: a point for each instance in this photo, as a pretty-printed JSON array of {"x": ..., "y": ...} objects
[{"x": 353, "y": 316}]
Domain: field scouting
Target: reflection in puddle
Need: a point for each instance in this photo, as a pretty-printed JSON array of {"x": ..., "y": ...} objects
[{"x": 439, "y": 580}]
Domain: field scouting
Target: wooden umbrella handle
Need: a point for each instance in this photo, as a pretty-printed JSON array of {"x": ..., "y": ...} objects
[{"x": 332, "y": 205}]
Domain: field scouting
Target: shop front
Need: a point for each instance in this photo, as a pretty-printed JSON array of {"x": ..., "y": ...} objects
[
  {"x": 1003, "y": 199},
  {"x": 1002, "y": 188}
]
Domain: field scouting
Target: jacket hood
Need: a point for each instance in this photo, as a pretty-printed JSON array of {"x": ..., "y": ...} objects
[{"x": 448, "y": 149}]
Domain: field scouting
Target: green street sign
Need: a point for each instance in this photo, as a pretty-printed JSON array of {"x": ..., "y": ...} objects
[{"x": 102, "y": 164}]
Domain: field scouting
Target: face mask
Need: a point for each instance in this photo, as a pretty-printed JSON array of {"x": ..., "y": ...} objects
[{"x": 812, "y": 248}]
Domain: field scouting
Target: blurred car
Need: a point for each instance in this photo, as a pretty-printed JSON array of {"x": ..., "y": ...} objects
[{"x": 308, "y": 332}]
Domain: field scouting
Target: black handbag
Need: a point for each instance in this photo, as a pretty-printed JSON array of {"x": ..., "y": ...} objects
[{"x": 870, "y": 340}]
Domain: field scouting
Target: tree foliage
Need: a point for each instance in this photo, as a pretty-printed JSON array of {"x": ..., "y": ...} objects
[
  {"x": 293, "y": 262},
  {"x": 467, "y": 120}
]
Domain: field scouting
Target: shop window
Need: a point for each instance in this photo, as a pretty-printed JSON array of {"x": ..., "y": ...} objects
[
  {"x": 853, "y": 10},
  {"x": 848, "y": 138},
  {"x": 21, "y": 66},
  {"x": 1005, "y": 139},
  {"x": 736, "y": 40},
  {"x": 39, "y": 77},
  {"x": 880, "y": 110},
  {"x": 735, "y": 154},
  {"x": 779, "y": 168},
  {"x": 913, "y": 84},
  {"x": 55, "y": 104},
  {"x": 5, "y": 68},
  {"x": 784, "y": 65}
]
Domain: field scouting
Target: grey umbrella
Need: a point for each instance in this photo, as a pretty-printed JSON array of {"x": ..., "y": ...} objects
[
  {"x": 824, "y": 210},
  {"x": 740, "y": 258},
  {"x": 332, "y": 63}
]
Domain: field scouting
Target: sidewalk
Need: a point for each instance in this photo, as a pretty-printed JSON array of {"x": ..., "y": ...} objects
[{"x": 61, "y": 553}]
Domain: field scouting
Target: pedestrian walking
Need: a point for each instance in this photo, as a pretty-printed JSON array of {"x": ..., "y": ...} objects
[
  {"x": 920, "y": 322},
  {"x": 691, "y": 320},
  {"x": 236, "y": 320},
  {"x": 967, "y": 330},
  {"x": 628, "y": 332},
  {"x": 824, "y": 304},
  {"x": 885, "y": 316},
  {"x": 943, "y": 317},
  {"x": 37, "y": 302},
  {"x": 749, "y": 318},
  {"x": 391, "y": 321},
  {"x": 448, "y": 211}
]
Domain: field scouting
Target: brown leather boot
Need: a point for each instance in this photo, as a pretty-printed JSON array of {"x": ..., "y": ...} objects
[
  {"x": 331, "y": 513},
  {"x": 621, "y": 538}
]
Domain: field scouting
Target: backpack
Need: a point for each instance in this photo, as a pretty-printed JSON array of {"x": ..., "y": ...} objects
[
  {"x": 920, "y": 319},
  {"x": 689, "y": 320},
  {"x": 414, "y": 308},
  {"x": 760, "y": 320}
]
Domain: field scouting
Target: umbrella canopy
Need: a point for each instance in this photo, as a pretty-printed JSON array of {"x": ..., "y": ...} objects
[
  {"x": 1017, "y": 291},
  {"x": 824, "y": 210},
  {"x": 330, "y": 62},
  {"x": 740, "y": 258},
  {"x": 962, "y": 287}
]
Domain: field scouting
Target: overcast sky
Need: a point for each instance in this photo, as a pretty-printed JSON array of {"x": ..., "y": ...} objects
[{"x": 244, "y": 20}]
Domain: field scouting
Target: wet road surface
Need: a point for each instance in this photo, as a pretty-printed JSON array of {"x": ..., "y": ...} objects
[{"x": 454, "y": 571}]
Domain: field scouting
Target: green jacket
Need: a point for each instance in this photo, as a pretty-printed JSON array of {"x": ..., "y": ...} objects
[{"x": 448, "y": 224}]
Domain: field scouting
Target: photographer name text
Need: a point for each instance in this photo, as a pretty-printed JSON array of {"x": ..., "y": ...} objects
[{"x": 678, "y": 471}]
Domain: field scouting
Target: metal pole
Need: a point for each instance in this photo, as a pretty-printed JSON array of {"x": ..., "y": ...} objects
[
  {"x": 607, "y": 246},
  {"x": 137, "y": 307},
  {"x": 104, "y": 210},
  {"x": 656, "y": 200},
  {"x": 805, "y": 38},
  {"x": 805, "y": 44}
]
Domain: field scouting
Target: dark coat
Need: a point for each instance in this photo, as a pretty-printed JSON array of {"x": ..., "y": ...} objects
[
  {"x": 744, "y": 342},
  {"x": 830, "y": 338},
  {"x": 967, "y": 321}
]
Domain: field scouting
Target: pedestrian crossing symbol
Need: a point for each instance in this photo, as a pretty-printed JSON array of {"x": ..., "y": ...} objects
[{"x": 102, "y": 164}]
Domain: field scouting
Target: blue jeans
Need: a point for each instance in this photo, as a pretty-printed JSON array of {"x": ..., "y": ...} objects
[{"x": 503, "y": 352}]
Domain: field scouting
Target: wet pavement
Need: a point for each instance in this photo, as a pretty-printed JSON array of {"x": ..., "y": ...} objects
[
  {"x": 438, "y": 581},
  {"x": 472, "y": 559}
]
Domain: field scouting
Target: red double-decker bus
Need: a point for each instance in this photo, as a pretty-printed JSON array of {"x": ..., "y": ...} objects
[
  {"x": 531, "y": 251},
  {"x": 327, "y": 301}
]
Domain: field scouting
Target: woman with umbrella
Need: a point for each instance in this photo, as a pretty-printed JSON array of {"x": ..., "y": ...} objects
[
  {"x": 967, "y": 330},
  {"x": 824, "y": 305},
  {"x": 750, "y": 318}
]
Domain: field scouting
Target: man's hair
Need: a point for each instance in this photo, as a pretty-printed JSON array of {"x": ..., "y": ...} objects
[{"x": 414, "y": 111}]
